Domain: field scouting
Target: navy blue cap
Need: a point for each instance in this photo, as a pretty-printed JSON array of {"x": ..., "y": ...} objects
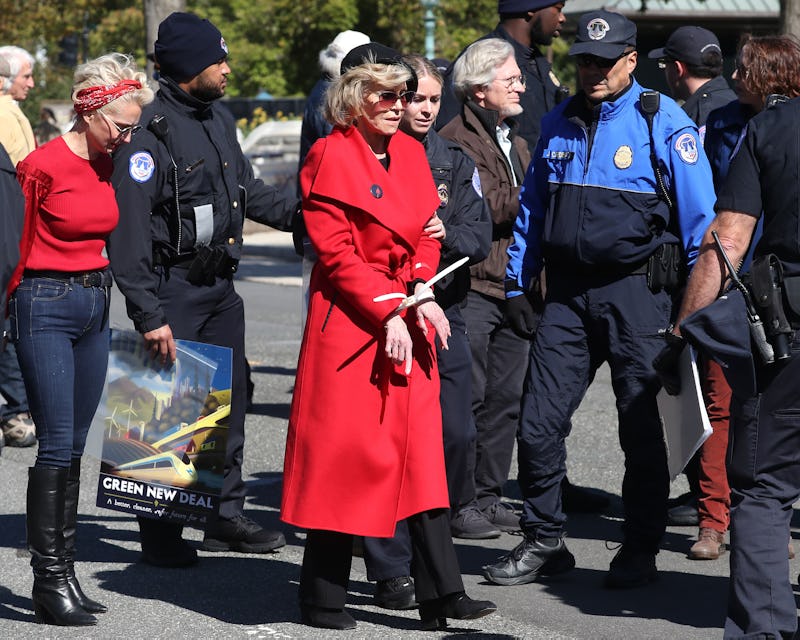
[
  {"x": 688, "y": 44},
  {"x": 523, "y": 6},
  {"x": 604, "y": 34},
  {"x": 186, "y": 45}
]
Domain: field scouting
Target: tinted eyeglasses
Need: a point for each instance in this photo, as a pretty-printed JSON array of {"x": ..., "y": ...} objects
[
  {"x": 663, "y": 62},
  {"x": 509, "y": 83},
  {"x": 587, "y": 60},
  {"x": 391, "y": 97},
  {"x": 123, "y": 131}
]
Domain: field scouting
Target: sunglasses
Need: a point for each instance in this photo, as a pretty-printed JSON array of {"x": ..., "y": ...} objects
[
  {"x": 391, "y": 97},
  {"x": 123, "y": 131},
  {"x": 587, "y": 60}
]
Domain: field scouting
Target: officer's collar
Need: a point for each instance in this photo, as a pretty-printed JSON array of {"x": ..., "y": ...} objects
[
  {"x": 580, "y": 107},
  {"x": 182, "y": 99}
]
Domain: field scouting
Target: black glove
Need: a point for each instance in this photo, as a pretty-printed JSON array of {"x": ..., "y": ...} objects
[
  {"x": 667, "y": 363},
  {"x": 298, "y": 232},
  {"x": 521, "y": 316}
]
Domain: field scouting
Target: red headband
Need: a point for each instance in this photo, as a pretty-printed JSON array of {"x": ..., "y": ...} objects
[{"x": 92, "y": 98}]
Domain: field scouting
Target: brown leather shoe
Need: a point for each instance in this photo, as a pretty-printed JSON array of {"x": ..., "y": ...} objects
[{"x": 710, "y": 544}]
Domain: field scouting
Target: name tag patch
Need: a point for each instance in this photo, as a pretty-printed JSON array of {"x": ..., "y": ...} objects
[{"x": 551, "y": 154}]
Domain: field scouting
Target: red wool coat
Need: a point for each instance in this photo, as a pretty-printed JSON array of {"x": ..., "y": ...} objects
[{"x": 364, "y": 447}]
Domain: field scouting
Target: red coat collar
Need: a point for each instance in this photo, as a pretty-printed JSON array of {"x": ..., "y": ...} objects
[{"x": 401, "y": 199}]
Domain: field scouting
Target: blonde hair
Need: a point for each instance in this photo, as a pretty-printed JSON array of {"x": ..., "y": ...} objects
[
  {"x": 108, "y": 70},
  {"x": 344, "y": 100}
]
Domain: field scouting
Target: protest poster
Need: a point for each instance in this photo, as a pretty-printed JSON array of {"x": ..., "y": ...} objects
[{"x": 161, "y": 432}]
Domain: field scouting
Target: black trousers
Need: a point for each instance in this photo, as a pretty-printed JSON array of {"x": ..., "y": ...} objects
[
  {"x": 434, "y": 565},
  {"x": 215, "y": 314},
  {"x": 499, "y": 362}
]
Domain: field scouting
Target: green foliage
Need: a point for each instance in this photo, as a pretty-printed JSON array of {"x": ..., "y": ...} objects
[{"x": 274, "y": 44}]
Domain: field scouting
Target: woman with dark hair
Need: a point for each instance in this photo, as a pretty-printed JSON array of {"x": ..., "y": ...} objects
[
  {"x": 59, "y": 314},
  {"x": 765, "y": 66},
  {"x": 364, "y": 447},
  {"x": 767, "y": 72}
]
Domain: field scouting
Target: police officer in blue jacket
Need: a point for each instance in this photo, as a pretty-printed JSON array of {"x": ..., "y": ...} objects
[
  {"x": 184, "y": 188},
  {"x": 602, "y": 218}
]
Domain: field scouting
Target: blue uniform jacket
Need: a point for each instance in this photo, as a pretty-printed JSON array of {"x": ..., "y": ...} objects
[{"x": 589, "y": 201}]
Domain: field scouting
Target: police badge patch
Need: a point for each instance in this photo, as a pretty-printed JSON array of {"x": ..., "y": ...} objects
[
  {"x": 444, "y": 194},
  {"x": 686, "y": 146},
  {"x": 623, "y": 157},
  {"x": 141, "y": 166}
]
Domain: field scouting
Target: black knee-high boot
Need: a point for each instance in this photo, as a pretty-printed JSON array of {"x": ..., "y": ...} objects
[
  {"x": 70, "y": 524},
  {"x": 52, "y": 600}
]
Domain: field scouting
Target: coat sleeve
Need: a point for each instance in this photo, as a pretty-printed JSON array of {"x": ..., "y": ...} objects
[
  {"x": 468, "y": 224},
  {"x": 693, "y": 188},
  {"x": 130, "y": 245},
  {"x": 525, "y": 252},
  {"x": 269, "y": 205}
]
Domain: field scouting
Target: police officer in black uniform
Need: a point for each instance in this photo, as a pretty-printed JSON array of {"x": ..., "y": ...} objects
[
  {"x": 763, "y": 462},
  {"x": 184, "y": 187}
]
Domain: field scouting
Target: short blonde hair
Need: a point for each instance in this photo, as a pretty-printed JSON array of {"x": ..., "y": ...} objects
[
  {"x": 110, "y": 69},
  {"x": 344, "y": 100}
]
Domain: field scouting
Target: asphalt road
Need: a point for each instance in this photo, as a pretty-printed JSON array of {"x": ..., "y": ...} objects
[{"x": 237, "y": 596}]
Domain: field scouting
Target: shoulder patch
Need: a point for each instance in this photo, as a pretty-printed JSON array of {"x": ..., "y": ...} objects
[
  {"x": 141, "y": 166},
  {"x": 686, "y": 146},
  {"x": 476, "y": 182}
]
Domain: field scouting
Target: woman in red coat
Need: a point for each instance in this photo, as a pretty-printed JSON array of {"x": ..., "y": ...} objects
[{"x": 364, "y": 447}]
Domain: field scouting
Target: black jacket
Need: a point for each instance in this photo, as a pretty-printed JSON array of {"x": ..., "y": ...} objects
[
  {"x": 216, "y": 189},
  {"x": 10, "y": 224},
  {"x": 712, "y": 95},
  {"x": 464, "y": 214}
]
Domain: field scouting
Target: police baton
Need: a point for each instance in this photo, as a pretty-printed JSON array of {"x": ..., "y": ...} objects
[{"x": 753, "y": 319}]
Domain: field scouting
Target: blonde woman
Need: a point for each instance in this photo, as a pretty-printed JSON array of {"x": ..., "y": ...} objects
[{"x": 59, "y": 314}]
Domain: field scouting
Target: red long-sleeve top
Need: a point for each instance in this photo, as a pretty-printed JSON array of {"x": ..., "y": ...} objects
[{"x": 70, "y": 209}]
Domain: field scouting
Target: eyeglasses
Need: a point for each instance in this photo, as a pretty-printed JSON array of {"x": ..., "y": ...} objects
[
  {"x": 663, "y": 62},
  {"x": 587, "y": 59},
  {"x": 123, "y": 131},
  {"x": 392, "y": 97},
  {"x": 509, "y": 83}
]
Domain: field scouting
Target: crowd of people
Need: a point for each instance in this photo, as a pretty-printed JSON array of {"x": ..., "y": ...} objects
[{"x": 544, "y": 236}]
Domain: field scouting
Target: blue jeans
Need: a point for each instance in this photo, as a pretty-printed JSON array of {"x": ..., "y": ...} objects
[{"x": 61, "y": 334}]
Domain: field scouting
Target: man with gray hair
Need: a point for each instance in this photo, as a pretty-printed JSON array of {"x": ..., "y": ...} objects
[
  {"x": 489, "y": 84},
  {"x": 16, "y": 74},
  {"x": 16, "y": 136}
]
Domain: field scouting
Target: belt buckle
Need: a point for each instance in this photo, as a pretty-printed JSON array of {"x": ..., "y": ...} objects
[{"x": 93, "y": 279}]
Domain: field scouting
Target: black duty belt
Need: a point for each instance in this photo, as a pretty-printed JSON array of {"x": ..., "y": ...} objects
[{"x": 85, "y": 278}]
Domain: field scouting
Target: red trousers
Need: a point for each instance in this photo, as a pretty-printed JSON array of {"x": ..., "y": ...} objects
[{"x": 715, "y": 494}]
